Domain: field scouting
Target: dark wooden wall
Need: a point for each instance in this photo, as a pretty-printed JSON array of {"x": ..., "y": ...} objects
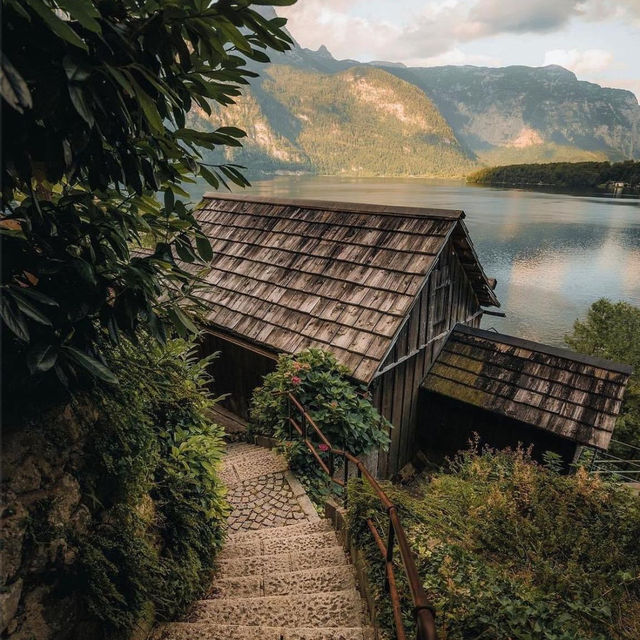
[
  {"x": 446, "y": 299},
  {"x": 236, "y": 371},
  {"x": 447, "y": 425}
]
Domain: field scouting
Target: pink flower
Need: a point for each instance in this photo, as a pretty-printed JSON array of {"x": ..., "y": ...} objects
[
  {"x": 295, "y": 381},
  {"x": 323, "y": 447}
]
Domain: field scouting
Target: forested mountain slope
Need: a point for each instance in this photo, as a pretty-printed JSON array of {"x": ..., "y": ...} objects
[{"x": 362, "y": 121}]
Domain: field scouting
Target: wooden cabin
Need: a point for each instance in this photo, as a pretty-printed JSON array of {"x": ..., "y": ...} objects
[
  {"x": 381, "y": 287},
  {"x": 511, "y": 391}
]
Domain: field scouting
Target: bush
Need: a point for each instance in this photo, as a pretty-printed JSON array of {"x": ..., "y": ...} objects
[
  {"x": 507, "y": 548},
  {"x": 340, "y": 408},
  {"x": 151, "y": 482}
]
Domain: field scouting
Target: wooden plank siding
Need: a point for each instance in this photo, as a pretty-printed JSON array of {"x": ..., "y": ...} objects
[
  {"x": 447, "y": 298},
  {"x": 237, "y": 371}
]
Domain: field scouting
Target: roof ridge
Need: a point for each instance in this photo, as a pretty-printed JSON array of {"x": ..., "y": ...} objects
[
  {"x": 334, "y": 205},
  {"x": 558, "y": 352}
]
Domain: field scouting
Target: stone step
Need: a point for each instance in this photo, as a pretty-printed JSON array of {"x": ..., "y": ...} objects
[
  {"x": 323, "y": 580},
  {"x": 207, "y": 631},
  {"x": 282, "y": 562},
  {"x": 335, "y": 609},
  {"x": 242, "y": 452},
  {"x": 272, "y": 545},
  {"x": 288, "y": 531}
]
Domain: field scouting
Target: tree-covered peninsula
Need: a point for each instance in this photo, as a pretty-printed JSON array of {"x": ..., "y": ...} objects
[{"x": 603, "y": 176}]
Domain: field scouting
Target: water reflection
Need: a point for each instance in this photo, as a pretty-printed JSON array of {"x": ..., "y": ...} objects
[{"x": 552, "y": 254}]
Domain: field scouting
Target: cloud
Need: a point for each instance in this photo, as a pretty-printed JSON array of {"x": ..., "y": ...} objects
[
  {"x": 580, "y": 62},
  {"x": 433, "y": 33},
  {"x": 328, "y": 22},
  {"x": 621, "y": 10},
  {"x": 489, "y": 17}
]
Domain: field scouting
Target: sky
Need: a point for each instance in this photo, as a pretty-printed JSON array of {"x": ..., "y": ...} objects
[{"x": 599, "y": 40}]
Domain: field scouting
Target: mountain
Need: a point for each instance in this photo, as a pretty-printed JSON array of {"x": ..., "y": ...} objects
[
  {"x": 528, "y": 114},
  {"x": 308, "y": 112},
  {"x": 362, "y": 121}
]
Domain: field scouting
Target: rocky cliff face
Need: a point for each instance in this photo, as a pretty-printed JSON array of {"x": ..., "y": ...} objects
[
  {"x": 41, "y": 514},
  {"x": 339, "y": 123},
  {"x": 545, "y": 112}
]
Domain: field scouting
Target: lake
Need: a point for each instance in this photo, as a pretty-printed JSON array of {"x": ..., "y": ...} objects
[{"x": 552, "y": 254}]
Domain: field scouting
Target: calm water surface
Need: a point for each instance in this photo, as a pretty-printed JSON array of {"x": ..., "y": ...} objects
[{"x": 553, "y": 254}]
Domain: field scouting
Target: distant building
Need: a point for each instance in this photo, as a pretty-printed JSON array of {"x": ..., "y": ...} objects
[{"x": 382, "y": 288}]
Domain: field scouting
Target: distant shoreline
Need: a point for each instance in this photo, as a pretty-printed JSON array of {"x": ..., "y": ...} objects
[{"x": 603, "y": 178}]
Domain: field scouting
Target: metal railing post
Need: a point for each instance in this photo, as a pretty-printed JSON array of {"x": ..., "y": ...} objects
[
  {"x": 345, "y": 462},
  {"x": 390, "y": 542}
]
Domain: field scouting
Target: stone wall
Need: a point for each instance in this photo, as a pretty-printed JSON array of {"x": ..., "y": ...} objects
[{"x": 41, "y": 513}]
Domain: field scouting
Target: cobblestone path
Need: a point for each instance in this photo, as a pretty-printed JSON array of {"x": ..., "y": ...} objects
[
  {"x": 282, "y": 574},
  {"x": 260, "y": 490}
]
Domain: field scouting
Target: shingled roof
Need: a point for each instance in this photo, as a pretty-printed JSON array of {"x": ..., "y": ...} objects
[
  {"x": 291, "y": 274},
  {"x": 572, "y": 395}
]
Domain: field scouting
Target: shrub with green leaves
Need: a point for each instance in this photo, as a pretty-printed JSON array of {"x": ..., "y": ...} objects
[
  {"x": 150, "y": 480},
  {"x": 507, "y": 548},
  {"x": 97, "y": 150},
  {"x": 341, "y": 408}
]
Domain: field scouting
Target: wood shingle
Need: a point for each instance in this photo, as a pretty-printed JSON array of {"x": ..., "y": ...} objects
[
  {"x": 292, "y": 274},
  {"x": 574, "y": 396}
]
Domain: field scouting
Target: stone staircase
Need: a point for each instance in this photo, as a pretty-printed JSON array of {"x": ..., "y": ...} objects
[{"x": 282, "y": 577}]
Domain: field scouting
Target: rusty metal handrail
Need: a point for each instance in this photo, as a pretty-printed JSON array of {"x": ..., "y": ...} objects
[{"x": 423, "y": 610}]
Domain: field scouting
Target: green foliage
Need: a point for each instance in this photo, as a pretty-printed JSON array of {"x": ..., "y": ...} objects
[
  {"x": 341, "y": 409},
  {"x": 570, "y": 175},
  {"x": 507, "y": 548},
  {"x": 150, "y": 479},
  {"x": 95, "y": 99},
  {"x": 612, "y": 330}
]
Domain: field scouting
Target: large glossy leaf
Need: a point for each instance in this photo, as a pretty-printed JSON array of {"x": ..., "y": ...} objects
[
  {"x": 77, "y": 98},
  {"x": 42, "y": 357},
  {"x": 61, "y": 28},
  {"x": 183, "y": 323},
  {"x": 90, "y": 364},
  {"x": 204, "y": 247},
  {"x": 38, "y": 296},
  {"x": 13, "y": 87},
  {"x": 14, "y": 319},
  {"x": 84, "y": 12},
  {"x": 30, "y": 310}
]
